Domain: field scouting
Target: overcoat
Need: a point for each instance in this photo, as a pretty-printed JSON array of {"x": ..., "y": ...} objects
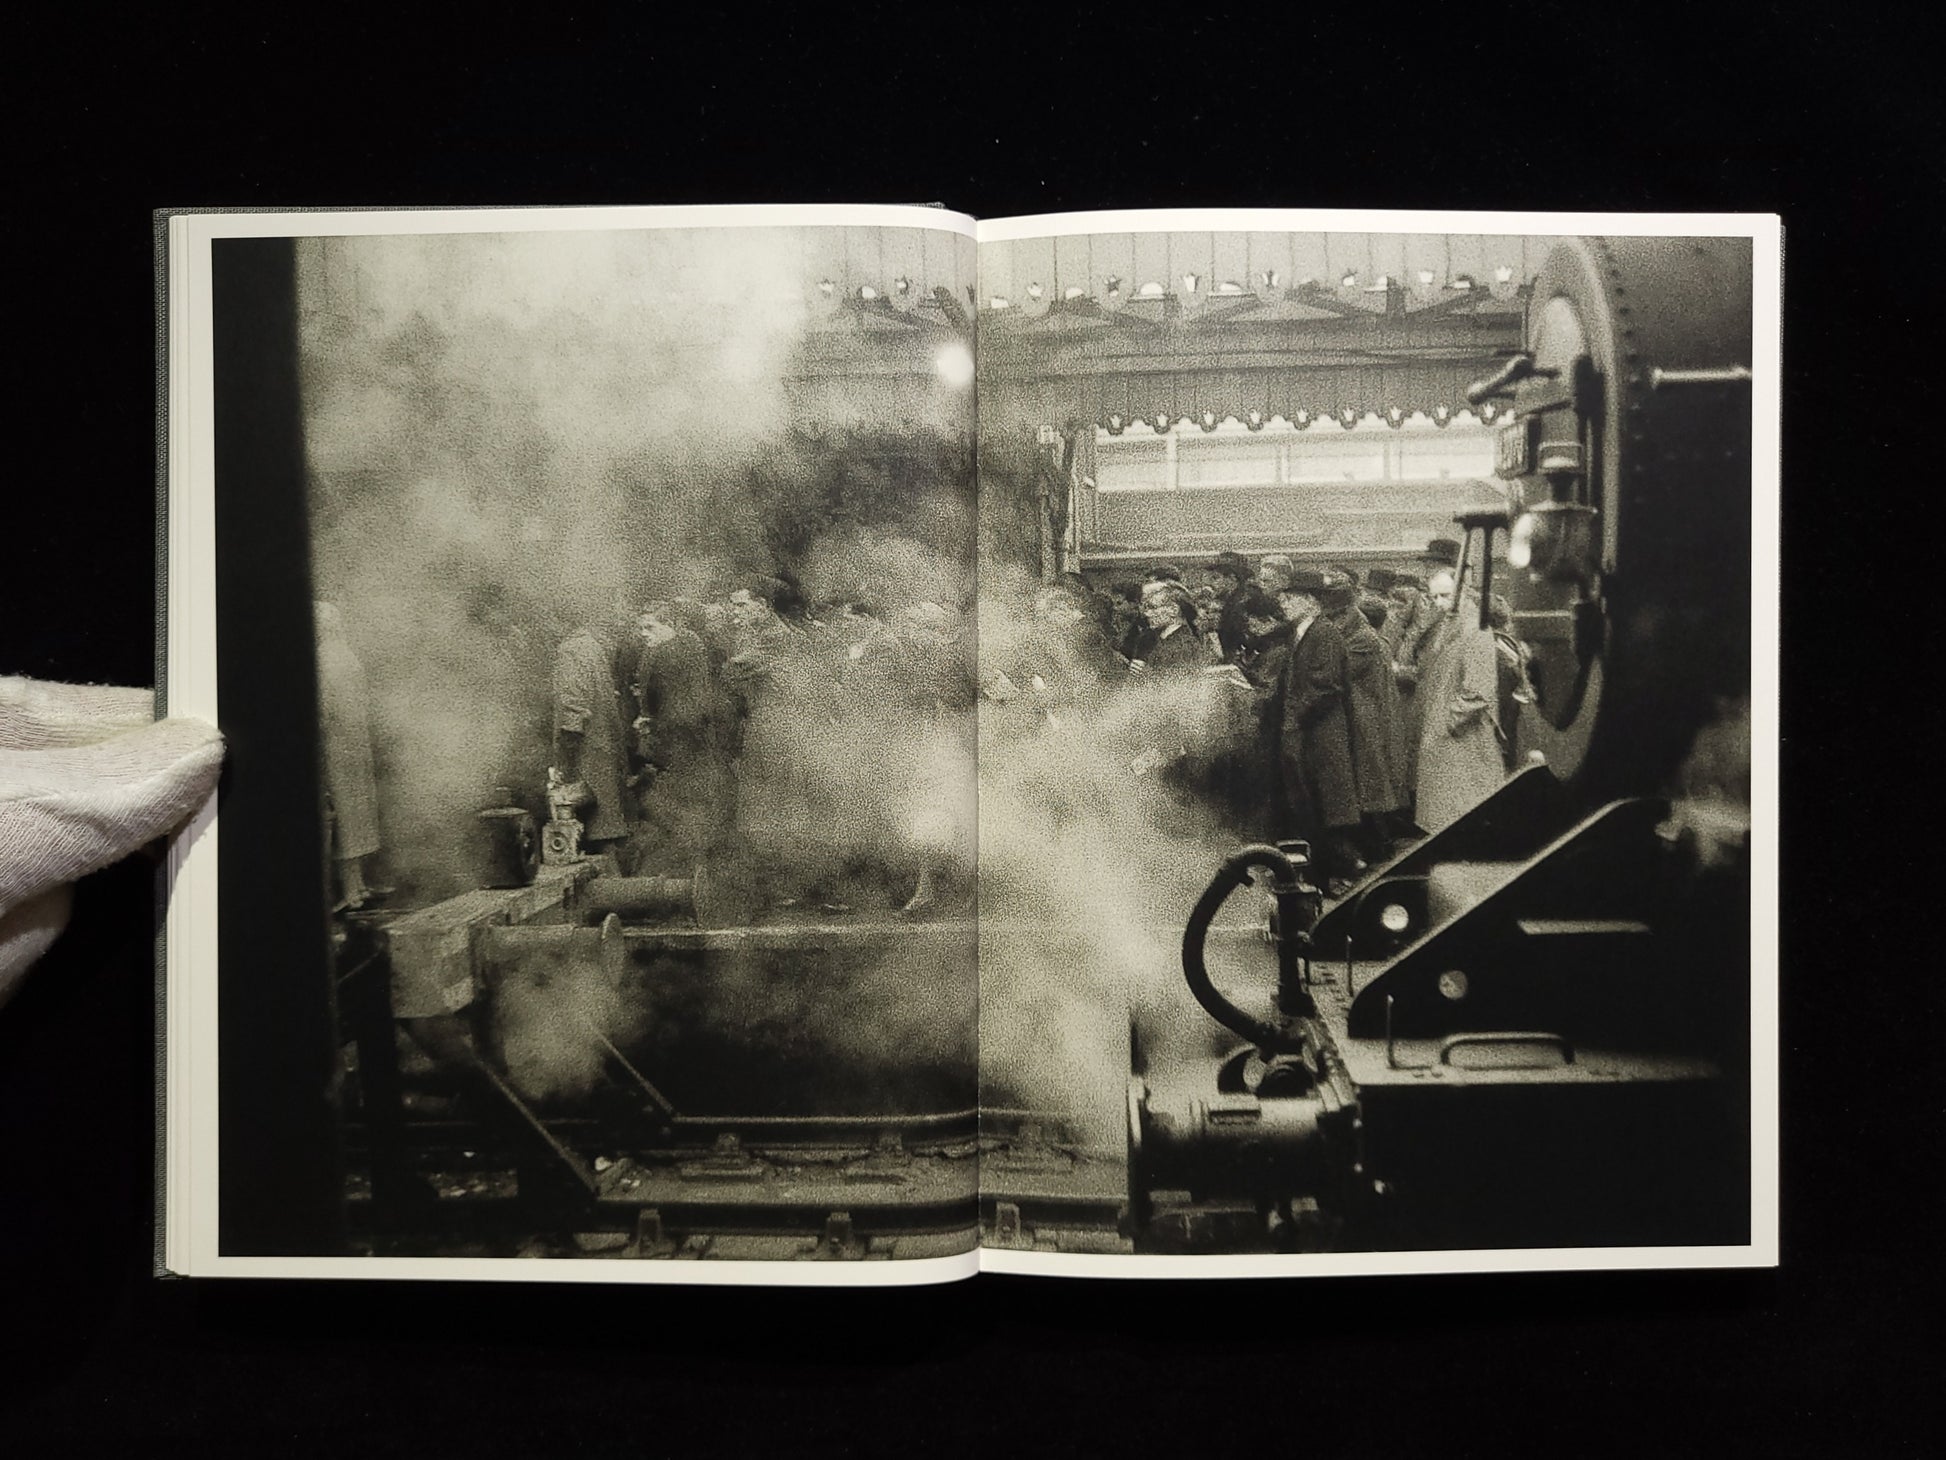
[
  {"x": 1314, "y": 743},
  {"x": 1410, "y": 631},
  {"x": 587, "y": 702},
  {"x": 690, "y": 740},
  {"x": 1459, "y": 749},
  {"x": 1377, "y": 737},
  {"x": 1183, "y": 649}
]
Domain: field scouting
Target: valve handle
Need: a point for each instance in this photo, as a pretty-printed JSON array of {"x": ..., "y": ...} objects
[{"x": 1520, "y": 366}]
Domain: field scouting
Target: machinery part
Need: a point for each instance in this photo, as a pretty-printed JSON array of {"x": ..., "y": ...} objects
[
  {"x": 1629, "y": 460},
  {"x": 652, "y": 899},
  {"x": 1554, "y": 939},
  {"x": 513, "y": 856},
  {"x": 561, "y": 842},
  {"x": 1238, "y": 1170},
  {"x": 1297, "y": 903},
  {"x": 540, "y": 950},
  {"x": 1529, "y": 809},
  {"x": 1239, "y": 1143},
  {"x": 1503, "y": 1039},
  {"x": 703, "y": 898}
]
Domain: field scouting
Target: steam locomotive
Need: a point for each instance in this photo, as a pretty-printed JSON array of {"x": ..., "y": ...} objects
[{"x": 1530, "y": 1029}]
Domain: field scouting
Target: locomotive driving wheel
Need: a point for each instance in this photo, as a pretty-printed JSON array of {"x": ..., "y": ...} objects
[{"x": 1630, "y": 498}]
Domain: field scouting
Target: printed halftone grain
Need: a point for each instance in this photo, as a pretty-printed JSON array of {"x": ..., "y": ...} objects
[
  {"x": 1088, "y": 870},
  {"x": 510, "y": 435}
]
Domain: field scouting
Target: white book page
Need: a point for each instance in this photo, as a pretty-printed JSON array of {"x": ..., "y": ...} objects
[
  {"x": 523, "y": 422},
  {"x": 1158, "y": 388}
]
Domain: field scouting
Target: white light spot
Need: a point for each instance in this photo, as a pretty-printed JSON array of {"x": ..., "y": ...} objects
[{"x": 954, "y": 362}]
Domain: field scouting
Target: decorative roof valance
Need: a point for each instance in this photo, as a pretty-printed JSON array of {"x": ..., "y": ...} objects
[{"x": 1392, "y": 392}]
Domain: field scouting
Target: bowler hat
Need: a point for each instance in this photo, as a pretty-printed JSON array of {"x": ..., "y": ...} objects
[
  {"x": 1304, "y": 580},
  {"x": 1442, "y": 552},
  {"x": 1257, "y": 603}
]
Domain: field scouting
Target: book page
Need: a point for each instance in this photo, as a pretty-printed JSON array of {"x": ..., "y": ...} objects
[
  {"x": 1377, "y": 793},
  {"x": 586, "y": 597}
]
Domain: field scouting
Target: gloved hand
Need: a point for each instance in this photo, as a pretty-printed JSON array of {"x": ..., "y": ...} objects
[{"x": 87, "y": 775}]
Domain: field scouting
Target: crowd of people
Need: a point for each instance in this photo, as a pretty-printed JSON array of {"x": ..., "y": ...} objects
[
  {"x": 824, "y": 743},
  {"x": 1310, "y": 704},
  {"x": 801, "y": 742}
]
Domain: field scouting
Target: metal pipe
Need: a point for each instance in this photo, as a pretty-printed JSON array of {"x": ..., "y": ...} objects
[
  {"x": 639, "y": 897},
  {"x": 1232, "y": 875},
  {"x": 823, "y": 1122},
  {"x": 1714, "y": 375}
]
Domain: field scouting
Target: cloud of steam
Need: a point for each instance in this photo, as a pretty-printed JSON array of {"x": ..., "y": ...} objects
[
  {"x": 1088, "y": 871},
  {"x": 858, "y": 759},
  {"x": 511, "y": 434},
  {"x": 547, "y": 1013},
  {"x": 1711, "y": 790}
]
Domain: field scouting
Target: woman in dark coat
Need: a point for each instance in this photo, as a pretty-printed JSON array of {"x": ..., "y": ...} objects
[
  {"x": 1250, "y": 772},
  {"x": 1170, "y": 640}
]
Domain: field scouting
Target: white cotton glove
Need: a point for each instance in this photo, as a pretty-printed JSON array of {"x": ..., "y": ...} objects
[{"x": 87, "y": 775}]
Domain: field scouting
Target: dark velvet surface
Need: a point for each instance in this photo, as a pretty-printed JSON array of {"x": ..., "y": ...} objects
[{"x": 1830, "y": 119}]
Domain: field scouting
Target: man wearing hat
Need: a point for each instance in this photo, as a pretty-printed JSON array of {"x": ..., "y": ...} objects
[
  {"x": 1459, "y": 755},
  {"x": 1373, "y": 603},
  {"x": 1314, "y": 733},
  {"x": 1371, "y": 705},
  {"x": 1416, "y": 645},
  {"x": 1405, "y": 595},
  {"x": 1229, "y": 575}
]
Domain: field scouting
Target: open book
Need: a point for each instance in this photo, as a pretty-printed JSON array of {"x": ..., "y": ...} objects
[{"x": 853, "y": 745}]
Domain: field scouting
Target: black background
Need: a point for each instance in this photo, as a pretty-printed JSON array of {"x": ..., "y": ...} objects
[{"x": 1825, "y": 117}]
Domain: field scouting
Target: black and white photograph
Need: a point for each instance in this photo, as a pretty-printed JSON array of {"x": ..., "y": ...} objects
[
  {"x": 852, "y": 745},
  {"x": 1365, "y": 742},
  {"x": 643, "y": 576}
]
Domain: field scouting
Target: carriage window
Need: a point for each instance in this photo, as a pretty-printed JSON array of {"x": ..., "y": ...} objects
[
  {"x": 1352, "y": 459},
  {"x": 1246, "y": 461},
  {"x": 1278, "y": 456},
  {"x": 1446, "y": 455},
  {"x": 1122, "y": 465}
]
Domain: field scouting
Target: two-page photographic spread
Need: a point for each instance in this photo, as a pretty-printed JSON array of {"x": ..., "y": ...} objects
[{"x": 855, "y": 745}]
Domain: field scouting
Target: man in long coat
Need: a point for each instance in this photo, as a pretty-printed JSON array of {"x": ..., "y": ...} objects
[
  {"x": 1459, "y": 747},
  {"x": 590, "y": 738},
  {"x": 1230, "y": 576},
  {"x": 686, "y": 735},
  {"x": 1372, "y": 704},
  {"x": 1314, "y": 743},
  {"x": 1417, "y": 644}
]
